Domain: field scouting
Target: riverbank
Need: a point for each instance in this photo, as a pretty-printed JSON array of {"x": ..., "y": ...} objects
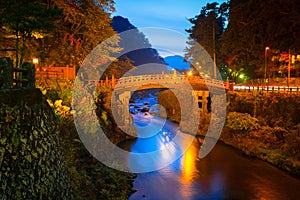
[
  {"x": 261, "y": 125},
  {"x": 251, "y": 147},
  {"x": 275, "y": 145},
  {"x": 225, "y": 173},
  {"x": 266, "y": 126},
  {"x": 89, "y": 178}
]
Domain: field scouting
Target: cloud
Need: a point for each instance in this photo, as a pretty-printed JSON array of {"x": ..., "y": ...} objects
[{"x": 166, "y": 41}]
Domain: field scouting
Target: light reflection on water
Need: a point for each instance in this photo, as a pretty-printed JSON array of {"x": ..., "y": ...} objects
[
  {"x": 223, "y": 174},
  {"x": 159, "y": 149},
  {"x": 188, "y": 165}
]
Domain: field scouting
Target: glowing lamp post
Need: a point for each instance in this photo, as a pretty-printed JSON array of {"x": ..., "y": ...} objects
[
  {"x": 266, "y": 54},
  {"x": 35, "y": 62}
]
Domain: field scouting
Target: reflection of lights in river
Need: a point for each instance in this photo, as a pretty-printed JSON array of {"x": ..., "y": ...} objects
[
  {"x": 168, "y": 151},
  {"x": 166, "y": 137},
  {"x": 189, "y": 164}
]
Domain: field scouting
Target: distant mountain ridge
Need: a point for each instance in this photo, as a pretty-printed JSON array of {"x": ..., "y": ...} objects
[{"x": 135, "y": 40}]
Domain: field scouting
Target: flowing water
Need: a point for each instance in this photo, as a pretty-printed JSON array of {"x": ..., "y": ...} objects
[{"x": 224, "y": 174}]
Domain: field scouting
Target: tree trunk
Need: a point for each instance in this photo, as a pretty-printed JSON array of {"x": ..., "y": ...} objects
[
  {"x": 22, "y": 51},
  {"x": 17, "y": 47}
]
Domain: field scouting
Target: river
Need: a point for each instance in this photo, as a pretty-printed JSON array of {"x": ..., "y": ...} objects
[{"x": 224, "y": 174}]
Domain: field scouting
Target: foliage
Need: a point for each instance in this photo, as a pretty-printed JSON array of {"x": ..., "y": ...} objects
[
  {"x": 168, "y": 100},
  {"x": 31, "y": 162},
  {"x": 275, "y": 145},
  {"x": 276, "y": 109},
  {"x": 89, "y": 178},
  {"x": 65, "y": 32},
  {"x": 253, "y": 25},
  {"x": 82, "y": 26},
  {"x": 15, "y": 16},
  {"x": 292, "y": 141},
  {"x": 6, "y": 73},
  {"x": 241, "y": 122},
  {"x": 207, "y": 29},
  {"x": 118, "y": 68}
]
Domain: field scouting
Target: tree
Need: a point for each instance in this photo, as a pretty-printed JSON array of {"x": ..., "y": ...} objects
[
  {"x": 255, "y": 24},
  {"x": 207, "y": 29},
  {"x": 83, "y": 25},
  {"x": 24, "y": 18}
]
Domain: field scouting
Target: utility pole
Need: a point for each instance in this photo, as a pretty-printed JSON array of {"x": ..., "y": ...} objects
[
  {"x": 214, "y": 49},
  {"x": 266, "y": 60},
  {"x": 289, "y": 69}
]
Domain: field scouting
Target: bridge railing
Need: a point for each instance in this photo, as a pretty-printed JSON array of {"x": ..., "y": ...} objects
[
  {"x": 169, "y": 77},
  {"x": 267, "y": 88},
  {"x": 130, "y": 81}
]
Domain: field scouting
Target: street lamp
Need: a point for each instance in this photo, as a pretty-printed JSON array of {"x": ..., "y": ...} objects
[
  {"x": 35, "y": 61},
  {"x": 265, "y": 76}
]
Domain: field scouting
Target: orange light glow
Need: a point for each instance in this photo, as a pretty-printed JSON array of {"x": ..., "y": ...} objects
[
  {"x": 189, "y": 165},
  {"x": 190, "y": 73},
  {"x": 35, "y": 61}
]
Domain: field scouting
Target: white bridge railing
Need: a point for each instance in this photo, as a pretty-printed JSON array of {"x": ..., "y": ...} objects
[
  {"x": 130, "y": 81},
  {"x": 167, "y": 78}
]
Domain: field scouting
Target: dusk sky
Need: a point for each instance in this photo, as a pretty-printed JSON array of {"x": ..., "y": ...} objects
[{"x": 167, "y": 14}]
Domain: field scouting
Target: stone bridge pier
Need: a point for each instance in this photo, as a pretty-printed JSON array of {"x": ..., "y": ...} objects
[
  {"x": 202, "y": 97},
  {"x": 120, "y": 110}
]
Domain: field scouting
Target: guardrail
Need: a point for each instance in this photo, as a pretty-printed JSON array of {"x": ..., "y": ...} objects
[{"x": 267, "y": 88}]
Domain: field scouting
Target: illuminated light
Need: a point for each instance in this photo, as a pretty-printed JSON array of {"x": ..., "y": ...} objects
[
  {"x": 35, "y": 60},
  {"x": 190, "y": 73},
  {"x": 188, "y": 164},
  {"x": 293, "y": 59},
  {"x": 236, "y": 87},
  {"x": 241, "y": 76},
  {"x": 168, "y": 139}
]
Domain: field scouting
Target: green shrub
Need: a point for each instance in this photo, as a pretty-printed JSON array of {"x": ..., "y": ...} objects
[
  {"x": 267, "y": 135},
  {"x": 89, "y": 178},
  {"x": 276, "y": 109},
  {"x": 241, "y": 122},
  {"x": 292, "y": 142},
  {"x": 169, "y": 101}
]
